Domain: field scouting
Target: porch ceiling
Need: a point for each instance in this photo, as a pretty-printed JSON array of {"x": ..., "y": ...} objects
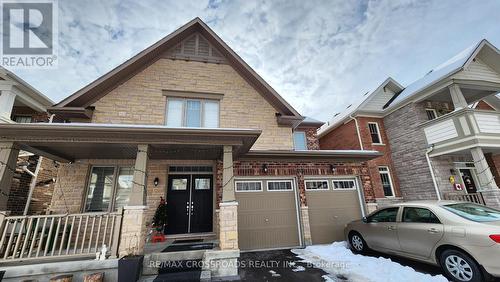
[{"x": 67, "y": 142}]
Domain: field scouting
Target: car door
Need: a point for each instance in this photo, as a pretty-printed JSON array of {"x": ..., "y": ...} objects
[
  {"x": 381, "y": 230},
  {"x": 419, "y": 231}
]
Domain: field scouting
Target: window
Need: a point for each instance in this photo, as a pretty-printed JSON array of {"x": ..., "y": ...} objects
[
  {"x": 281, "y": 185},
  {"x": 248, "y": 186},
  {"x": 202, "y": 184},
  {"x": 386, "y": 180},
  {"x": 419, "y": 215},
  {"x": 385, "y": 215},
  {"x": 299, "y": 140},
  {"x": 474, "y": 212},
  {"x": 344, "y": 184},
  {"x": 22, "y": 119},
  {"x": 102, "y": 187},
  {"x": 374, "y": 133},
  {"x": 192, "y": 113},
  {"x": 431, "y": 114},
  {"x": 316, "y": 184},
  {"x": 179, "y": 184}
]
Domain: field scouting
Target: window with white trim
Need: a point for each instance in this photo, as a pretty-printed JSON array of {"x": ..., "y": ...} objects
[
  {"x": 431, "y": 114},
  {"x": 344, "y": 184},
  {"x": 109, "y": 188},
  {"x": 375, "y": 133},
  {"x": 22, "y": 119},
  {"x": 316, "y": 184},
  {"x": 385, "y": 177},
  {"x": 299, "y": 140},
  {"x": 182, "y": 112},
  {"x": 248, "y": 186},
  {"x": 279, "y": 185}
]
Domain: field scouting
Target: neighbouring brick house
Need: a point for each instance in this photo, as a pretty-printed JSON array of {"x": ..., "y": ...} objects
[
  {"x": 188, "y": 120},
  {"x": 361, "y": 127},
  {"x": 442, "y": 130},
  {"x": 21, "y": 103}
]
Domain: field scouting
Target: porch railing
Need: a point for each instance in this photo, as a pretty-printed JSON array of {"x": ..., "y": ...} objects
[
  {"x": 39, "y": 237},
  {"x": 471, "y": 197}
]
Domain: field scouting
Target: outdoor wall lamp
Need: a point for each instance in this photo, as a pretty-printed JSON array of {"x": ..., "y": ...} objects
[
  {"x": 332, "y": 168},
  {"x": 264, "y": 168},
  {"x": 156, "y": 181}
]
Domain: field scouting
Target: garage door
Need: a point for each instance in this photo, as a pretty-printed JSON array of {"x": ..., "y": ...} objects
[
  {"x": 332, "y": 203},
  {"x": 267, "y": 214}
]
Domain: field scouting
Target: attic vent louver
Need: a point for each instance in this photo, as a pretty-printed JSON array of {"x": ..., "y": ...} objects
[{"x": 196, "y": 48}]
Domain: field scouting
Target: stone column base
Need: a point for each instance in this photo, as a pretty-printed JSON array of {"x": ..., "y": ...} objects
[
  {"x": 306, "y": 226},
  {"x": 492, "y": 198},
  {"x": 228, "y": 226},
  {"x": 221, "y": 263},
  {"x": 133, "y": 233}
]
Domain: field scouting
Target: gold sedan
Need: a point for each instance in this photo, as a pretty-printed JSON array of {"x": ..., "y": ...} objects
[{"x": 462, "y": 238}]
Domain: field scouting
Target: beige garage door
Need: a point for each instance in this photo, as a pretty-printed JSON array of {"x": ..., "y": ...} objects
[
  {"x": 332, "y": 203},
  {"x": 267, "y": 214}
]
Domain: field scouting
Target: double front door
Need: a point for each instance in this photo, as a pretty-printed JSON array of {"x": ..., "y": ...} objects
[{"x": 189, "y": 203}]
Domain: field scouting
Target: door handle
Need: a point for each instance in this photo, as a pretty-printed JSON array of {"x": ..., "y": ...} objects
[
  {"x": 391, "y": 227},
  {"x": 432, "y": 230}
]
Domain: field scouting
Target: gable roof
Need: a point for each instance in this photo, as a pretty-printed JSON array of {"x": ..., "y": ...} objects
[
  {"x": 25, "y": 87},
  {"x": 101, "y": 86},
  {"x": 352, "y": 109},
  {"x": 445, "y": 70}
]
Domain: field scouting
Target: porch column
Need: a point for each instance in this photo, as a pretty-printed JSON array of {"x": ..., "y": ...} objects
[
  {"x": 8, "y": 160},
  {"x": 487, "y": 184},
  {"x": 7, "y": 99},
  {"x": 228, "y": 209},
  {"x": 133, "y": 232},
  {"x": 486, "y": 179},
  {"x": 457, "y": 97}
]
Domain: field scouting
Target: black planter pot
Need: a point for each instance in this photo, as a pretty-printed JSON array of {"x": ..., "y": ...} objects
[{"x": 130, "y": 268}]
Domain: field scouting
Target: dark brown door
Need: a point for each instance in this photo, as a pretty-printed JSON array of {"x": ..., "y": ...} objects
[
  {"x": 469, "y": 183},
  {"x": 189, "y": 204}
]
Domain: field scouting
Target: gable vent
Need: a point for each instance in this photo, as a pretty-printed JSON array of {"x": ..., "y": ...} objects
[{"x": 195, "y": 48}]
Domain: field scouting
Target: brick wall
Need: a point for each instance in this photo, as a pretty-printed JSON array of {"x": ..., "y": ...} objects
[
  {"x": 140, "y": 99},
  {"x": 494, "y": 164},
  {"x": 312, "y": 138},
  {"x": 27, "y": 111},
  {"x": 484, "y": 106},
  {"x": 343, "y": 137},
  {"x": 442, "y": 166},
  {"x": 408, "y": 146}
]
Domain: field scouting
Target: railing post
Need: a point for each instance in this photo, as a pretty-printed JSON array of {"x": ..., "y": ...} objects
[{"x": 116, "y": 234}]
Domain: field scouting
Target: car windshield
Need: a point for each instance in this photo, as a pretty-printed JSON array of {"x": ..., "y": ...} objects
[{"x": 474, "y": 212}]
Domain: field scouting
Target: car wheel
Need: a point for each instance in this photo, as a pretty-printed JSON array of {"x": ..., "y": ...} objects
[
  {"x": 460, "y": 267},
  {"x": 358, "y": 244}
]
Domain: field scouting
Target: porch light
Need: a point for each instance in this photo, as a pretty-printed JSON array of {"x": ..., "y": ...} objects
[
  {"x": 332, "y": 168},
  {"x": 264, "y": 168},
  {"x": 156, "y": 181}
]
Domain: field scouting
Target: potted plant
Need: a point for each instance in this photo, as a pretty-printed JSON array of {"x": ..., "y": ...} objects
[
  {"x": 159, "y": 222},
  {"x": 130, "y": 266}
]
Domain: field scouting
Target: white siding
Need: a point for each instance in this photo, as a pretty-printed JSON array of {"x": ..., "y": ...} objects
[
  {"x": 440, "y": 132},
  {"x": 378, "y": 100},
  {"x": 478, "y": 71},
  {"x": 488, "y": 123}
]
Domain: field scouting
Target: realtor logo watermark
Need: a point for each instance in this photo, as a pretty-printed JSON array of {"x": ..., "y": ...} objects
[{"x": 29, "y": 34}]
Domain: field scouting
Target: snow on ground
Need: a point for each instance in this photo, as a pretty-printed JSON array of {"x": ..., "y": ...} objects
[{"x": 339, "y": 261}]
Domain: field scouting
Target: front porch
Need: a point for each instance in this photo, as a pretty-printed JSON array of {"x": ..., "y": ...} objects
[{"x": 110, "y": 181}]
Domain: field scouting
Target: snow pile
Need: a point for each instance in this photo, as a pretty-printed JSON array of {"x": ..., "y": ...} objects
[{"x": 338, "y": 260}]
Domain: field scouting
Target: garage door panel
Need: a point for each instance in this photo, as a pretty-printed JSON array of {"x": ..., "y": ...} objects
[
  {"x": 267, "y": 219},
  {"x": 329, "y": 211}
]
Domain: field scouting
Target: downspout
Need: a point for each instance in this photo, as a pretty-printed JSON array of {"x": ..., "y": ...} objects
[
  {"x": 429, "y": 149},
  {"x": 357, "y": 131},
  {"x": 34, "y": 177}
]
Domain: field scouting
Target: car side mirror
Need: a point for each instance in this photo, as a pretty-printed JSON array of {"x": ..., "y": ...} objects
[{"x": 364, "y": 219}]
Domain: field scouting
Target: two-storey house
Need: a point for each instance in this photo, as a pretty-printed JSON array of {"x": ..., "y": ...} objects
[{"x": 189, "y": 121}]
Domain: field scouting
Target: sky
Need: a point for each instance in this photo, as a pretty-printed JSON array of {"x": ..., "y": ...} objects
[{"x": 321, "y": 56}]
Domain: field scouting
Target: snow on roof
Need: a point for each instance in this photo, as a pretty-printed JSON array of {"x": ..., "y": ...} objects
[
  {"x": 310, "y": 120},
  {"x": 443, "y": 70}
]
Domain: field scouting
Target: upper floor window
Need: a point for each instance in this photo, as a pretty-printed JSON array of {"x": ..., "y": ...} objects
[
  {"x": 375, "y": 133},
  {"x": 22, "y": 119},
  {"x": 431, "y": 114},
  {"x": 299, "y": 140},
  {"x": 192, "y": 113}
]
